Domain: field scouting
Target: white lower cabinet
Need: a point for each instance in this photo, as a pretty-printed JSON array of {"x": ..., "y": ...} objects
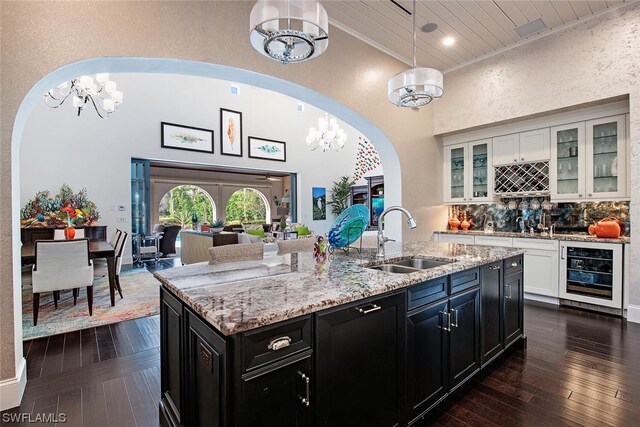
[
  {"x": 505, "y": 242},
  {"x": 455, "y": 238},
  {"x": 541, "y": 266},
  {"x": 541, "y": 261}
]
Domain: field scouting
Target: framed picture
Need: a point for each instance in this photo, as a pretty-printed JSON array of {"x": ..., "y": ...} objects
[
  {"x": 230, "y": 132},
  {"x": 319, "y": 197},
  {"x": 188, "y": 138},
  {"x": 260, "y": 148}
]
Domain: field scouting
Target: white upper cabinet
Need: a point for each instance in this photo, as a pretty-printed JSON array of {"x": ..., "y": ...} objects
[
  {"x": 468, "y": 172},
  {"x": 589, "y": 160},
  {"x": 520, "y": 147},
  {"x": 506, "y": 149},
  {"x": 567, "y": 178},
  {"x": 606, "y": 161}
]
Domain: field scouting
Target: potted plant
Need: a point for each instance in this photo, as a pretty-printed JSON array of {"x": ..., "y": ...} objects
[
  {"x": 340, "y": 194},
  {"x": 217, "y": 225}
]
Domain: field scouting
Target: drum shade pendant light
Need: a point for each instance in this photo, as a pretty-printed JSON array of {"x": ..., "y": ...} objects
[
  {"x": 415, "y": 87},
  {"x": 289, "y": 31}
]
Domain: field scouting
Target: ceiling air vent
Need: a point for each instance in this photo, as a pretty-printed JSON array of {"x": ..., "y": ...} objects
[{"x": 531, "y": 27}]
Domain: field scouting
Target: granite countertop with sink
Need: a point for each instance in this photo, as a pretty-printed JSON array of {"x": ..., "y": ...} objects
[
  {"x": 556, "y": 236},
  {"x": 236, "y": 297}
]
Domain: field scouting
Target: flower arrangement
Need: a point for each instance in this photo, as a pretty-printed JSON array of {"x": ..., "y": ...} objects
[
  {"x": 72, "y": 214},
  {"x": 46, "y": 211}
]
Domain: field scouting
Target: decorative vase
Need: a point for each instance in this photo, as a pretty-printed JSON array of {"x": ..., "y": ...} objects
[
  {"x": 216, "y": 229},
  {"x": 465, "y": 224},
  {"x": 454, "y": 223},
  {"x": 69, "y": 233}
]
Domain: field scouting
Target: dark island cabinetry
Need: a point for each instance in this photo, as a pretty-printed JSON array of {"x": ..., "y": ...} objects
[
  {"x": 360, "y": 363},
  {"x": 386, "y": 360}
]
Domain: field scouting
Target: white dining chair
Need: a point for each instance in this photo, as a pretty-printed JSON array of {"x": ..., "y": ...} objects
[
  {"x": 58, "y": 234},
  {"x": 113, "y": 241},
  {"x": 60, "y": 265}
]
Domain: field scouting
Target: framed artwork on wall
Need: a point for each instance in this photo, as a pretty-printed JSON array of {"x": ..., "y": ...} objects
[
  {"x": 230, "y": 132},
  {"x": 180, "y": 137},
  {"x": 268, "y": 149},
  {"x": 319, "y": 197}
]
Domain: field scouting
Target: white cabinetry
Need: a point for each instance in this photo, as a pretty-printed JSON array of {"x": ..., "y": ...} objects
[
  {"x": 468, "y": 172},
  {"x": 589, "y": 160},
  {"x": 462, "y": 239},
  {"x": 520, "y": 147},
  {"x": 505, "y": 242},
  {"x": 540, "y": 266},
  {"x": 606, "y": 162}
]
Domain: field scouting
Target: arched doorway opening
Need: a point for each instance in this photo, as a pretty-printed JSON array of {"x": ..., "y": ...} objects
[
  {"x": 382, "y": 143},
  {"x": 247, "y": 205},
  {"x": 179, "y": 204}
]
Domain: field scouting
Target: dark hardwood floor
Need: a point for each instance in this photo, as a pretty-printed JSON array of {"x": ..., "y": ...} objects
[{"x": 579, "y": 369}]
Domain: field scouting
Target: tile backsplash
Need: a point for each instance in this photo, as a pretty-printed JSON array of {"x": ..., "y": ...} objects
[{"x": 566, "y": 217}]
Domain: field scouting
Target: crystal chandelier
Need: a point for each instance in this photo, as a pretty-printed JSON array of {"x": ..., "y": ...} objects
[
  {"x": 98, "y": 91},
  {"x": 289, "y": 31},
  {"x": 327, "y": 135},
  {"x": 416, "y": 87}
]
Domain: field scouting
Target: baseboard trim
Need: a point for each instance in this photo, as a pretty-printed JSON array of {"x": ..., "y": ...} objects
[
  {"x": 11, "y": 390},
  {"x": 542, "y": 298},
  {"x": 633, "y": 313}
]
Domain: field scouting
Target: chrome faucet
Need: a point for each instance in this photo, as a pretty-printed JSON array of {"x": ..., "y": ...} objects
[
  {"x": 381, "y": 239},
  {"x": 520, "y": 224}
]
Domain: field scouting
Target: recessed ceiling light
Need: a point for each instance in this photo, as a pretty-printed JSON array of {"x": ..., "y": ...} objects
[{"x": 448, "y": 41}]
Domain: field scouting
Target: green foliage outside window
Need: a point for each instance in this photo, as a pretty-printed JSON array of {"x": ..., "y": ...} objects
[
  {"x": 178, "y": 205},
  {"x": 246, "y": 206}
]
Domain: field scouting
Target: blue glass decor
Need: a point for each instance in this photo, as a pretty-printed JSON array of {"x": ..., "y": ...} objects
[{"x": 349, "y": 226}]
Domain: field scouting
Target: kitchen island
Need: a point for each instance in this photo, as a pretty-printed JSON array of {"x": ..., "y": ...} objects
[{"x": 289, "y": 341}]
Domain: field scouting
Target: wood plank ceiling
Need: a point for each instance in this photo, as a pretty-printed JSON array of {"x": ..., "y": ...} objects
[{"x": 479, "y": 27}]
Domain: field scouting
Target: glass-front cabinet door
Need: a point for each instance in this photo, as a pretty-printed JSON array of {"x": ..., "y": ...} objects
[
  {"x": 455, "y": 173},
  {"x": 468, "y": 172},
  {"x": 481, "y": 171},
  {"x": 606, "y": 157},
  {"x": 568, "y": 162}
]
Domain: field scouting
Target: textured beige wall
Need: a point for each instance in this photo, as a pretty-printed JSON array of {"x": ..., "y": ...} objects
[
  {"x": 38, "y": 37},
  {"x": 588, "y": 62}
]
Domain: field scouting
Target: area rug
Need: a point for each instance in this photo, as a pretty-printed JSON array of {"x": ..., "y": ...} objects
[{"x": 141, "y": 298}]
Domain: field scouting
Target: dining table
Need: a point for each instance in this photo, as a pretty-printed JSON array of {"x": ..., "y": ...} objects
[{"x": 98, "y": 249}]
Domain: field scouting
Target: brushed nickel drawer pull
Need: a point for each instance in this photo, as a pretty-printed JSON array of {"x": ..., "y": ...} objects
[
  {"x": 279, "y": 343},
  {"x": 306, "y": 400},
  {"x": 370, "y": 308},
  {"x": 494, "y": 267},
  {"x": 514, "y": 264},
  {"x": 508, "y": 296}
]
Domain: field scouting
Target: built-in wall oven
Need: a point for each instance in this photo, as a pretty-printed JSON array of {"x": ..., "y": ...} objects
[{"x": 591, "y": 273}]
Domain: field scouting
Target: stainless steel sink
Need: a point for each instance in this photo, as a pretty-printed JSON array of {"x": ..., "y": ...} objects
[
  {"x": 421, "y": 263},
  {"x": 407, "y": 266},
  {"x": 392, "y": 268}
]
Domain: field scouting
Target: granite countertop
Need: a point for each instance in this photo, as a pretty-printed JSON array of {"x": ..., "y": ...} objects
[
  {"x": 236, "y": 297},
  {"x": 568, "y": 237}
]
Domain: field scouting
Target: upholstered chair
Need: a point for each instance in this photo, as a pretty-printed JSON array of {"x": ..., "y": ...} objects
[
  {"x": 295, "y": 245},
  {"x": 60, "y": 265},
  {"x": 58, "y": 234},
  {"x": 234, "y": 253}
]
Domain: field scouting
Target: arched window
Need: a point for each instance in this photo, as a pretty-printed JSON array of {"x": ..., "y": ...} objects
[
  {"x": 247, "y": 205},
  {"x": 178, "y": 205}
]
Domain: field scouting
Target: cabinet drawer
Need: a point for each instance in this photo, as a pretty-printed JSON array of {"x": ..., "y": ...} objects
[
  {"x": 465, "y": 280},
  {"x": 455, "y": 238},
  {"x": 539, "y": 244},
  {"x": 494, "y": 241},
  {"x": 426, "y": 292},
  {"x": 271, "y": 343},
  {"x": 513, "y": 265}
]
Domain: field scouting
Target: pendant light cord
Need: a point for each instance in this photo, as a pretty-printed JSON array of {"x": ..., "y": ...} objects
[{"x": 413, "y": 29}]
